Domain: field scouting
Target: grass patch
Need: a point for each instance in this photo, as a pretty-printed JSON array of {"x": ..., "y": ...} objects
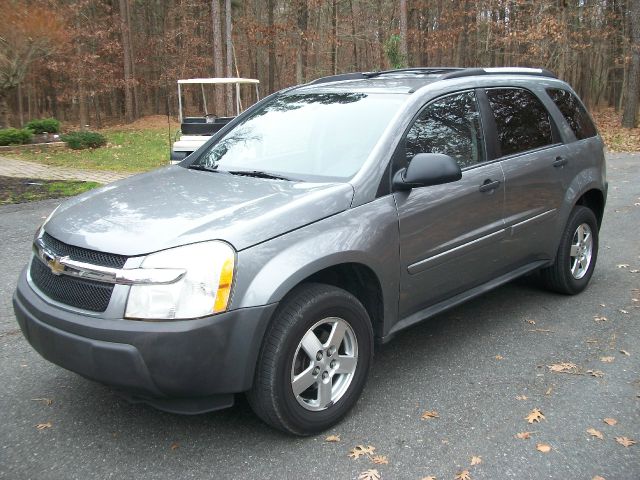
[
  {"x": 126, "y": 151},
  {"x": 21, "y": 190}
]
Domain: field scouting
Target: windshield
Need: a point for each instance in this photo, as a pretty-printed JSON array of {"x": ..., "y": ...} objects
[{"x": 314, "y": 137}]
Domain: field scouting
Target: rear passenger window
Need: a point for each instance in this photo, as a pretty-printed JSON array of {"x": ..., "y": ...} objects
[
  {"x": 573, "y": 111},
  {"x": 449, "y": 125},
  {"x": 521, "y": 120}
]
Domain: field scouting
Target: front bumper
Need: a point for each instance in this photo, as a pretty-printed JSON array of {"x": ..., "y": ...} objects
[{"x": 186, "y": 366}]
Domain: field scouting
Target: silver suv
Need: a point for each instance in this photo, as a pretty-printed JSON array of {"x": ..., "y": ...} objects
[{"x": 326, "y": 217}]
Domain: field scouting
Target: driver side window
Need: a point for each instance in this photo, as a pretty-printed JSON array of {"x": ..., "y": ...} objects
[{"x": 449, "y": 125}]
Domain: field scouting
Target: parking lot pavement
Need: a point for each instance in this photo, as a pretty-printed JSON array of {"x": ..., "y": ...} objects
[{"x": 482, "y": 366}]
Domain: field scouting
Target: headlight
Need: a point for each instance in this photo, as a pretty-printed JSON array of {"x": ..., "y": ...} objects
[{"x": 204, "y": 290}]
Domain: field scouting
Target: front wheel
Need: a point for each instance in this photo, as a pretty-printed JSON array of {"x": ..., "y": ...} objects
[
  {"x": 577, "y": 254},
  {"x": 314, "y": 360}
]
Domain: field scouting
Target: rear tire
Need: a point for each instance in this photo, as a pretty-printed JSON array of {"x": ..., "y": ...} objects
[
  {"x": 314, "y": 360},
  {"x": 577, "y": 254}
]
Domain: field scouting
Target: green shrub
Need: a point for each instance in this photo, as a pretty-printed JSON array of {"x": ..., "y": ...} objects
[
  {"x": 44, "y": 125},
  {"x": 84, "y": 139},
  {"x": 15, "y": 136}
]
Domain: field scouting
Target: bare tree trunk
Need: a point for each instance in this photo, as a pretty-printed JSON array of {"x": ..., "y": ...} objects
[
  {"x": 20, "y": 108},
  {"x": 404, "y": 51},
  {"x": 356, "y": 63},
  {"x": 83, "y": 111},
  {"x": 217, "y": 53},
  {"x": 4, "y": 109},
  {"x": 381, "y": 35},
  {"x": 228, "y": 27},
  {"x": 630, "y": 113},
  {"x": 126, "y": 47},
  {"x": 272, "y": 46},
  {"x": 132, "y": 60},
  {"x": 302, "y": 14},
  {"x": 334, "y": 36}
]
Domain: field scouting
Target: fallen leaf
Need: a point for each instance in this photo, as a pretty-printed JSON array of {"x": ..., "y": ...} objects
[
  {"x": 499, "y": 357},
  {"x": 596, "y": 373},
  {"x": 534, "y": 416},
  {"x": 360, "y": 450},
  {"x": 625, "y": 442},
  {"x": 463, "y": 475},
  {"x": 430, "y": 477},
  {"x": 332, "y": 438},
  {"x": 624, "y": 352},
  {"x": 623, "y": 311},
  {"x": 562, "y": 367},
  {"x": 523, "y": 435},
  {"x": 602, "y": 305},
  {"x": 595, "y": 433},
  {"x": 175, "y": 446},
  {"x": 610, "y": 421},
  {"x": 44, "y": 426},
  {"x": 372, "y": 474},
  {"x": 635, "y": 270},
  {"x": 427, "y": 415},
  {"x": 541, "y": 330},
  {"x": 543, "y": 447},
  {"x": 622, "y": 265},
  {"x": 521, "y": 397},
  {"x": 600, "y": 318},
  {"x": 598, "y": 477},
  {"x": 531, "y": 322},
  {"x": 380, "y": 460},
  {"x": 476, "y": 460},
  {"x": 607, "y": 359},
  {"x": 46, "y": 401},
  {"x": 549, "y": 390}
]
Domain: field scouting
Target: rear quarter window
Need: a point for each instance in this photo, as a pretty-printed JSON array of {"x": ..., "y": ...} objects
[
  {"x": 522, "y": 121},
  {"x": 573, "y": 112}
]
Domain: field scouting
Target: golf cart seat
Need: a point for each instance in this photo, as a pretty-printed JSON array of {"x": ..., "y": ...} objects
[{"x": 199, "y": 125}]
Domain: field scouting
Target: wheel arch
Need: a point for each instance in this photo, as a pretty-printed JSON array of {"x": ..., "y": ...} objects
[{"x": 594, "y": 200}]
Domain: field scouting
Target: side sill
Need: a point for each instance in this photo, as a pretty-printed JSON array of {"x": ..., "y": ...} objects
[{"x": 460, "y": 298}]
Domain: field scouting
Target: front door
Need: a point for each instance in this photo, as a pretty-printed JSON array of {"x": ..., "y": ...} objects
[{"x": 450, "y": 234}]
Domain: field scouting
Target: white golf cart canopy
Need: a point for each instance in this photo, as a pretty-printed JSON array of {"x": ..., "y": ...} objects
[{"x": 237, "y": 81}]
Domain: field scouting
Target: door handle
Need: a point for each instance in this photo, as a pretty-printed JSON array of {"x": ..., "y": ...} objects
[
  {"x": 560, "y": 162},
  {"x": 489, "y": 185}
]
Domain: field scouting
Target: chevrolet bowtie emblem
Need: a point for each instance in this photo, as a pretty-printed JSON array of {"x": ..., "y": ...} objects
[{"x": 55, "y": 265}]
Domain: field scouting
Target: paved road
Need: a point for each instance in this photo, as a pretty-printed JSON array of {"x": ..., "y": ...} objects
[
  {"x": 449, "y": 364},
  {"x": 10, "y": 167}
]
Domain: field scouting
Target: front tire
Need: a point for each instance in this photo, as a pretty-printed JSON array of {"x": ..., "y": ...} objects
[
  {"x": 314, "y": 360},
  {"x": 577, "y": 254}
]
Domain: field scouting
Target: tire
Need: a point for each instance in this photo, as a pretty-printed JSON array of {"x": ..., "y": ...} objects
[
  {"x": 322, "y": 310},
  {"x": 564, "y": 276}
]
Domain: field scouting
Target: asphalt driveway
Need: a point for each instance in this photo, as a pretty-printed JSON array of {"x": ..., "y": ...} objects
[{"x": 483, "y": 367}]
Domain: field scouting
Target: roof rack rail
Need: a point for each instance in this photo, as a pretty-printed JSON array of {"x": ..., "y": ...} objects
[
  {"x": 339, "y": 78},
  {"x": 416, "y": 70},
  {"x": 365, "y": 75},
  {"x": 471, "y": 72}
]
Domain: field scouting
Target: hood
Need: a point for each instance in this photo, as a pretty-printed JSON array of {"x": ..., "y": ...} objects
[{"x": 175, "y": 206}]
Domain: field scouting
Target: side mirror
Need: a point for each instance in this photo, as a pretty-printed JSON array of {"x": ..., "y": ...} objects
[{"x": 427, "y": 169}]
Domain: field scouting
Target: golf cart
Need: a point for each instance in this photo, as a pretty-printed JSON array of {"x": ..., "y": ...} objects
[{"x": 194, "y": 131}]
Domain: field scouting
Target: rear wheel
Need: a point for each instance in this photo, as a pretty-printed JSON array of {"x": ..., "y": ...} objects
[
  {"x": 577, "y": 254},
  {"x": 314, "y": 361}
]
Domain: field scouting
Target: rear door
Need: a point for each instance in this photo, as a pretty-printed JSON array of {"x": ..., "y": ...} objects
[
  {"x": 533, "y": 159},
  {"x": 450, "y": 234}
]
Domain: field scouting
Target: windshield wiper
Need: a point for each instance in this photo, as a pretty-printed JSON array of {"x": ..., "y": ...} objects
[
  {"x": 259, "y": 174},
  {"x": 203, "y": 168}
]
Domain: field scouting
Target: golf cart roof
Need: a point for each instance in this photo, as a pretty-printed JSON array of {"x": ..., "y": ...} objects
[{"x": 219, "y": 80}]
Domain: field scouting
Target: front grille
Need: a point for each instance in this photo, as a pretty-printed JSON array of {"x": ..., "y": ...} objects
[
  {"x": 85, "y": 294},
  {"x": 83, "y": 254},
  {"x": 72, "y": 291}
]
